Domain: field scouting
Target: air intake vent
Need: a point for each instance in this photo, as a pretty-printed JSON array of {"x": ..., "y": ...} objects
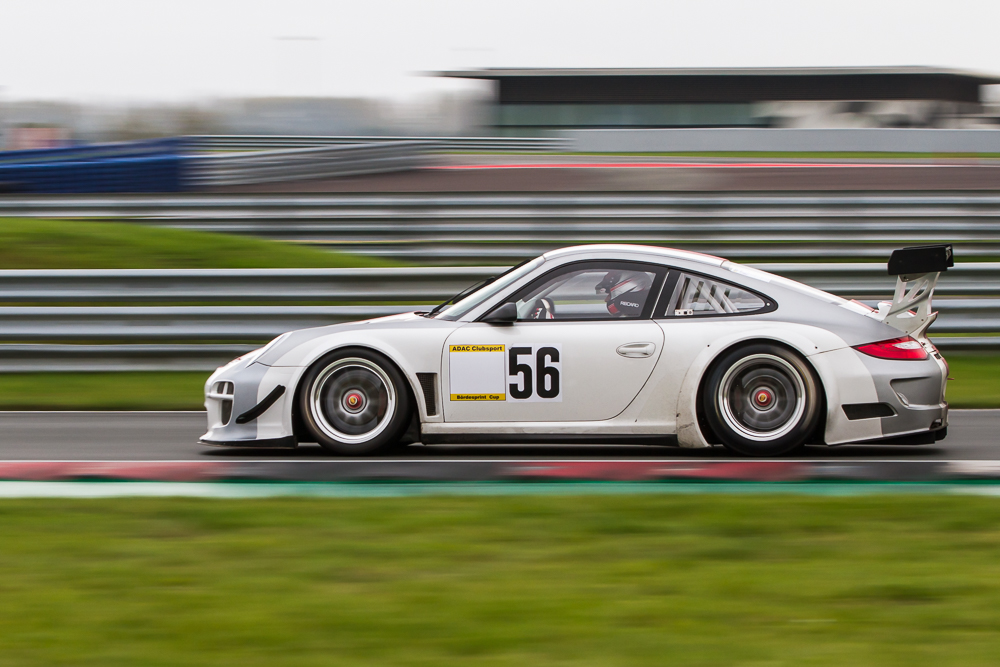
[
  {"x": 428, "y": 383},
  {"x": 227, "y": 411},
  {"x": 868, "y": 410},
  {"x": 223, "y": 389}
]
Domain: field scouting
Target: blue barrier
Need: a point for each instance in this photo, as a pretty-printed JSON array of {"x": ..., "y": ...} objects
[
  {"x": 147, "y": 148},
  {"x": 141, "y": 166}
]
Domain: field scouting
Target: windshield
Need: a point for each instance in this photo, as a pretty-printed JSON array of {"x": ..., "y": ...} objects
[
  {"x": 461, "y": 295},
  {"x": 488, "y": 290}
]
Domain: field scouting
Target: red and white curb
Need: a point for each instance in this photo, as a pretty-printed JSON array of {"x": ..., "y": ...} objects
[{"x": 525, "y": 471}]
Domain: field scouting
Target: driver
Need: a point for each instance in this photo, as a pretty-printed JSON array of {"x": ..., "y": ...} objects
[{"x": 626, "y": 292}]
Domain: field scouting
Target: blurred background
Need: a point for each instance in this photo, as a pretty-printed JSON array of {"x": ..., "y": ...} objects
[{"x": 180, "y": 182}]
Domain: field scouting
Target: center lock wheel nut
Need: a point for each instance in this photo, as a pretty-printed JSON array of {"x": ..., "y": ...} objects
[
  {"x": 354, "y": 402},
  {"x": 763, "y": 398}
]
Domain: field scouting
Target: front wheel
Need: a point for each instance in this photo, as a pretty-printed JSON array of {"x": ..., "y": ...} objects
[
  {"x": 355, "y": 402},
  {"x": 761, "y": 400}
]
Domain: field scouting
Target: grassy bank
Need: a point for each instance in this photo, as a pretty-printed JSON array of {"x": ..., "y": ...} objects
[
  {"x": 976, "y": 380},
  {"x": 589, "y": 580},
  {"x": 976, "y": 384},
  {"x": 70, "y": 244},
  {"x": 102, "y": 391}
]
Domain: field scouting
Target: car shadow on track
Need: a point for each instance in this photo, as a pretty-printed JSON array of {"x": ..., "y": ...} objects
[{"x": 619, "y": 452}]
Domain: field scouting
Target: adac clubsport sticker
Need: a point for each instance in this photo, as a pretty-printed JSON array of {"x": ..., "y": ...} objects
[
  {"x": 477, "y": 372},
  {"x": 506, "y": 373}
]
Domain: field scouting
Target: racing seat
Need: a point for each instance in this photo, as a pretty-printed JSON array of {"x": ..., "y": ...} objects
[{"x": 542, "y": 309}]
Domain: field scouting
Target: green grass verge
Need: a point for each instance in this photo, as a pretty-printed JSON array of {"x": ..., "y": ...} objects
[
  {"x": 976, "y": 384},
  {"x": 102, "y": 391},
  {"x": 581, "y": 580},
  {"x": 71, "y": 244}
]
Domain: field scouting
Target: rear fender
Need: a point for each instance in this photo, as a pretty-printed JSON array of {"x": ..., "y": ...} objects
[{"x": 793, "y": 337}]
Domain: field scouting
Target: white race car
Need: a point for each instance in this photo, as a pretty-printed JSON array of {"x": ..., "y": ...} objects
[{"x": 606, "y": 343}]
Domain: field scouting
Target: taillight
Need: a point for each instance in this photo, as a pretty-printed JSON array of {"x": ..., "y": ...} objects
[{"x": 906, "y": 347}]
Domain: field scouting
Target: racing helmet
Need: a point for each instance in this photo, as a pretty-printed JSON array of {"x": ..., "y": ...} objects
[{"x": 625, "y": 291}]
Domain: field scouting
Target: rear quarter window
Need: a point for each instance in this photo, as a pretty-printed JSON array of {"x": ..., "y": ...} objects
[{"x": 694, "y": 295}]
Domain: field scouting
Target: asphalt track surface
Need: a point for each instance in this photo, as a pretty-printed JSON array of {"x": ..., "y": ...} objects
[{"x": 974, "y": 435}]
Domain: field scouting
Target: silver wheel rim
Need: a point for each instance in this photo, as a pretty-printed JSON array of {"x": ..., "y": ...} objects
[
  {"x": 352, "y": 400},
  {"x": 762, "y": 397}
]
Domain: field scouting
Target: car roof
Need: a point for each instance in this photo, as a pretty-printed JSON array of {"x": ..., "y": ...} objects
[
  {"x": 612, "y": 249},
  {"x": 622, "y": 251}
]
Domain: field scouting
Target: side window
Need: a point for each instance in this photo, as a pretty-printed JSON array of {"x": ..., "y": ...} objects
[
  {"x": 596, "y": 291},
  {"x": 697, "y": 295}
]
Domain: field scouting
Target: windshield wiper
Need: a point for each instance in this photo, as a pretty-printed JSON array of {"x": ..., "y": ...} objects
[{"x": 461, "y": 295}]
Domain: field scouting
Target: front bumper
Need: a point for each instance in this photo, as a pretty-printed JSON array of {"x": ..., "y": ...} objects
[
  {"x": 247, "y": 405},
  {"x": 288, "y": 442}
]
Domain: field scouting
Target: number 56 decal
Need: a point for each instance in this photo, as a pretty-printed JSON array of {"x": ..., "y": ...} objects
[{"x": 534, "y": 373}]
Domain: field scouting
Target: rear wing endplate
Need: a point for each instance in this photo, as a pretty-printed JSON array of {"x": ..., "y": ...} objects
[{"x": 917, "y": 270}]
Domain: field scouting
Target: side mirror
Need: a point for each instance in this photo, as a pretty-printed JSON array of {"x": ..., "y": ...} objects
[{"x": 505, "y": 314}]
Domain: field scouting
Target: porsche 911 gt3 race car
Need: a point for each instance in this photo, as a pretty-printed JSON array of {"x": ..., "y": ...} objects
[{"x": 606, "y": 343}]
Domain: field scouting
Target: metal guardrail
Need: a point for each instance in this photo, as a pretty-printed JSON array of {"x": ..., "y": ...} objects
[
  {"x": 144, "y": 324},
  {"x": 239, "y": 142},
  {"x": 752, "y": 139},
  {"x": 136, "y": 166},
  {"x": 271, "y": 166},
  {"x": 396, "y": 285},
  {"x": 111, "y": 286},
  {"x": 498, "y": 228},
  {"x": 128, "y": 340},
  {"x": 162, "y": 166},
  {"x": 140, "y": 324},
  {"x": 179, "y": 337},
  {"x": 870, "y": 281},
  {"x": 48, "y": 358}
]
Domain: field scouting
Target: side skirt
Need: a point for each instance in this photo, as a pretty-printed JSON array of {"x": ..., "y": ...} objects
[{"x": 535, "y": 438}]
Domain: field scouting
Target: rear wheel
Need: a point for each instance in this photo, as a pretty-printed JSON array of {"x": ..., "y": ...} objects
[
  {"x": 761, "y": 400},
  {"x": 355, "y": 402}
]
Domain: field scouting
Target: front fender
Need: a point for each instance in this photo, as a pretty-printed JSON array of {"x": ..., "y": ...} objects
[{"x": 413, "y": 352}]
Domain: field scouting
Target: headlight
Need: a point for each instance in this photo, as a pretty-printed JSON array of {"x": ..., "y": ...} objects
[
  {"x": 273, "y": 343},
  {"x": 253, "y": 355},
  {"x": 250, "y": 356}
]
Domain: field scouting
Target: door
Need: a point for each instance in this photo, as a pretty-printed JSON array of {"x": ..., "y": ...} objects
[{"x": 581, "y": 350}]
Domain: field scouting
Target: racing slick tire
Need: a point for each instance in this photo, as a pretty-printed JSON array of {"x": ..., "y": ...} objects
[
  {"x": 761, "y": 400},
  {"x": 355, "y": 402}
]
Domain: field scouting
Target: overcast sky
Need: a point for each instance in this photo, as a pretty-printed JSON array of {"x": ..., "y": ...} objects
[{"x": 178, "y": 50}]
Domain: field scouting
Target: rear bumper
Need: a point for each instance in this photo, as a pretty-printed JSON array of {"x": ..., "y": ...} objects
[
  {"x": 914, "y": 393},
  {"x": 921, "y": 438}
]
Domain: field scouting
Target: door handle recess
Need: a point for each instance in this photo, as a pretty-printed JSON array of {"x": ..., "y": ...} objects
[{"x": 637, "y": 350}]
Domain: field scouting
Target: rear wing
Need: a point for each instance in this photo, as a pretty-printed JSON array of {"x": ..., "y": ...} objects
[{"x": 917, "y": 270}]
